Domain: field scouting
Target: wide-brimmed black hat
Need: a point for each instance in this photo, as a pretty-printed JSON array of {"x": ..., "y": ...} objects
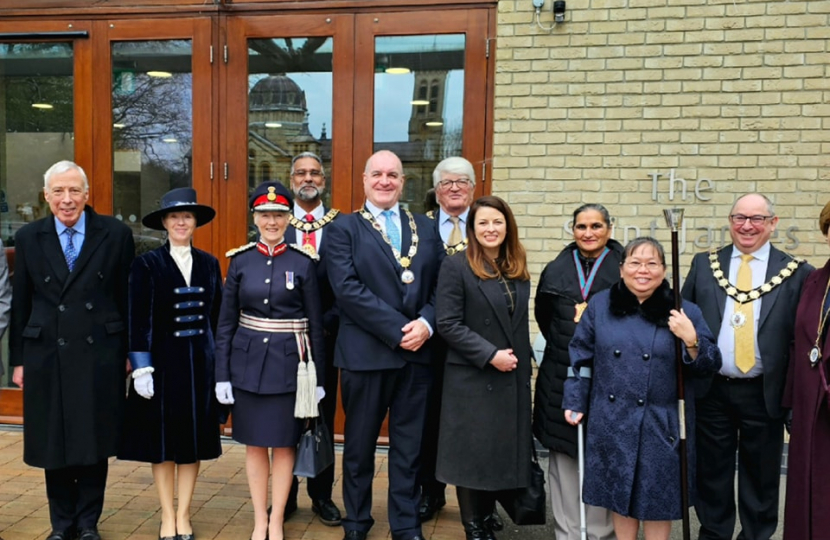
[
  {"x": 179, "y": 200},
  {"x": 271, "y": 197}
]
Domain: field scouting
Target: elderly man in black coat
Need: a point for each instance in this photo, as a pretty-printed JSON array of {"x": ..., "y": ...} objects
[{"x": 69, "y": 339}]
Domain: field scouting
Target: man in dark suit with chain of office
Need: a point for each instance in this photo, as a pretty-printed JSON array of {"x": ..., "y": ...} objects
[
  {"x": 383, "y": 264},
  {"x": 308, "y": 226},
  {"x": 69, "y": 345},
  {"x": 748, "y": 292}
]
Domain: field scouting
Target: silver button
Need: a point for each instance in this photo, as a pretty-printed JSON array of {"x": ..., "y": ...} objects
[
  {"x": 268, "y": 280},
  {"x": 265, "y": 301},
  {"x": 265, "y": 340},
  {"x": 268, "y": 263}
]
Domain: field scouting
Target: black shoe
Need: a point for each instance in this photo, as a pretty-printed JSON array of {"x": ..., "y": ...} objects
[
  {"x": 416, "y": 537},
  {"x": 190, "y": 536},
  {"x": 430, "y": 504},
  {"x": 355, "y": 535},
  {"x": 493, "y": 521},
  {"x": 60, "y": 535},
  {"x": 327, "y": 512},
  {"x": 89, "y": 534}
]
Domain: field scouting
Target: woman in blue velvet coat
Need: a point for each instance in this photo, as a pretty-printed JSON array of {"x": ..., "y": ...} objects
[
  {"x": 172, "y": 418},
  {"x": 627, "y": 336}
]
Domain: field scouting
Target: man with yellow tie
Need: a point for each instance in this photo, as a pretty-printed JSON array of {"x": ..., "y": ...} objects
[{"x": 748, "y": 292}]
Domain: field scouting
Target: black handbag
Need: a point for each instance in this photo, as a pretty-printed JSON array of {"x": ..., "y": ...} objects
[
  {"x": 314, "y": 451},
  {"x": 527, "y": 505}
]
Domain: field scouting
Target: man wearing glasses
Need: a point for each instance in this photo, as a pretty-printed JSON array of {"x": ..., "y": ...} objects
[
  {"x": 748, "y": 292},
  {"x": 308, "y": 181}
]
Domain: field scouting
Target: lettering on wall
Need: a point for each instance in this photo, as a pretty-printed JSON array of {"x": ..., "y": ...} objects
[{"x": 672, "y": 188}]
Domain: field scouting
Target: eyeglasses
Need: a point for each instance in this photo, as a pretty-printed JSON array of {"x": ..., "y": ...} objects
[
  {"x": 651, "y": 266},
  {"x": 461, "y": 183},
  {"x": 302, "y": 173},
  {"x": 740, "y": 219}
]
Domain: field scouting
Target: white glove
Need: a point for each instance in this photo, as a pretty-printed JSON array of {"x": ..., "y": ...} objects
[
  {"x": 321, "y": 393},
  {"x": 224, "y": 393},
  {"x": 144, "y": 385}
]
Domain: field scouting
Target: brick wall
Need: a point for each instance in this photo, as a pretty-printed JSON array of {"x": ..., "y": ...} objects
[{"x": 729, "y": 96}]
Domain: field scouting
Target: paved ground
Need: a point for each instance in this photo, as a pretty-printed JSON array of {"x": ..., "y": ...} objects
[{"x": 220, "y": 508}]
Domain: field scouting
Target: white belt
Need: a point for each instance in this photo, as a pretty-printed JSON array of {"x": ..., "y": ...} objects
[{"x": 298, "y": 327}]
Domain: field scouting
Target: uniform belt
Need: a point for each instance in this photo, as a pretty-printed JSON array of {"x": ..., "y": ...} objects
[
  {"x": 740, "y": 380},
  {"x": 298, "y": 327},
  {"x": 262, "y": 324}
]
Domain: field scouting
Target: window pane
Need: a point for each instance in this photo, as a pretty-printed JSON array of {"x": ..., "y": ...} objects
[
  {"x": 289, "y": 107},
  {"x": 36, "y": 130},
  {"x": 152, "y": 104},
  {"x": 419, "y": 105}
]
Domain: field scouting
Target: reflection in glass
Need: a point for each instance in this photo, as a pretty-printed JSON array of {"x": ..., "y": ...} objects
[
  {"x": 36, "y": 130},
  {"x": 419, "y": 90},
  {"x": 152, "y": 114},
  {"x": 289, "y": 107}
]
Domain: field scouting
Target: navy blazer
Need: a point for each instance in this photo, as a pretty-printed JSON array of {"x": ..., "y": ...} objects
[
  {"x": 776, "y": 323},
  {"x": 374, "y": 303}
]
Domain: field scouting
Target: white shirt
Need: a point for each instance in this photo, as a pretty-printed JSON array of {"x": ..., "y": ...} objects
[
  {"x": 184, "y": 260},
  {"x": 445, "y": 225},
  {"x": 318, "y": 214},
  {"x": 726, "y": 337}
]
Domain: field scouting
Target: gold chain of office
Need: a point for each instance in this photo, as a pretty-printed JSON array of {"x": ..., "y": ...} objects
[
  {"x": 742, "y": 296},
  {"x": 313, "y": 226}
]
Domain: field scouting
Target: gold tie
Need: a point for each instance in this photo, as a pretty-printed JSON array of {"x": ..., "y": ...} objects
[
  {"x": 455, "y": 234},
  {"x": 745, "y": 334}
]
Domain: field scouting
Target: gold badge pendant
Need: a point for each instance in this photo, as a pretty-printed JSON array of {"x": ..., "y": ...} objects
[{"x": 580, "y": 309}]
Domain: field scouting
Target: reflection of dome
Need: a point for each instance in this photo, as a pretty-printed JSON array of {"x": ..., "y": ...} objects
[{"x": 277, "y": 93}]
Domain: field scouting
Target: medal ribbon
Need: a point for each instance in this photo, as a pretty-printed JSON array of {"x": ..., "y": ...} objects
[{"x": 585, "y": 285}]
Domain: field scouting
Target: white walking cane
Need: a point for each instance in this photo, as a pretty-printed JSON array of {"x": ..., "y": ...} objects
[{"x": 585, "y": 373}]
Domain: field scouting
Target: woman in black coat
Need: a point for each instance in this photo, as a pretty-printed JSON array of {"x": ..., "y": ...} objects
[
  {"x": 484, "y": 443},
  {"x": 172, "y": 416},
  {"x": 589, "y": 264}
]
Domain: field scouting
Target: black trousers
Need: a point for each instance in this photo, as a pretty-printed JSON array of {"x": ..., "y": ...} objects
[
  {"x": 76, "y": 495},
  {"x": 319, "y": 487},
  {"x": 367, "y": 396},
  {"x": 733, "y": 417},
  {"x": 429, "y": 447}
]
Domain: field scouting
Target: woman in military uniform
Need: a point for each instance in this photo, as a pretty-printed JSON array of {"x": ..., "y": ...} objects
[
  {"x": 271, "y": 320},
  {"x": 171, "y": 416}
]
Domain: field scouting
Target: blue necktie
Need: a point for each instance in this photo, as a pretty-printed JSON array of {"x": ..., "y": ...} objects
[
  {"x": 392, "y": 230},
  {"x": 69, "y": 252}
]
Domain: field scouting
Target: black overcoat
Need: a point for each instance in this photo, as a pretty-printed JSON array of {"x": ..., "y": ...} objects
[
  {"x": 556, "y": 297},
  {"x": 69, "y": 332},
  {"x": 174, "y": 323},
  {"x": 484, "y": 441}
]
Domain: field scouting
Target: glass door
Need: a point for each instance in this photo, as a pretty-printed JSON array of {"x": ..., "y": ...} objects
[
  {"x": 424, "y": 93},
  {"x": 289, "y": 90},
  {"x": 159, "y": 123}
]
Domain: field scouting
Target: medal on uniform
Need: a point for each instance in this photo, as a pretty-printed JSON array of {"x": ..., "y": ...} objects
[
  {"x": 585, "y": 284},
  {"x": 579, "y": 309},
  {"x": 289, "y": 281},
  {"x": 309, "y": 250},
  {"x": 407, "y": 277},
  {"x": 737, "y": 319}
]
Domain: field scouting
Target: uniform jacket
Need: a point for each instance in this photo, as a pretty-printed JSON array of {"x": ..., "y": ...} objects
[
  {"x": 374, "y": 304},
  {"x": 632, "y": 459},
  {"x": 69, "y": 332},
  {"x": 174, "y": 324},
  {"x": 808, "y": 477},
  {"x": 257, "y": 284},
  {"x": 484, "y": 441},
  {"x": 557, "y": 294},
  {"x": 776, "y": 322}
]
